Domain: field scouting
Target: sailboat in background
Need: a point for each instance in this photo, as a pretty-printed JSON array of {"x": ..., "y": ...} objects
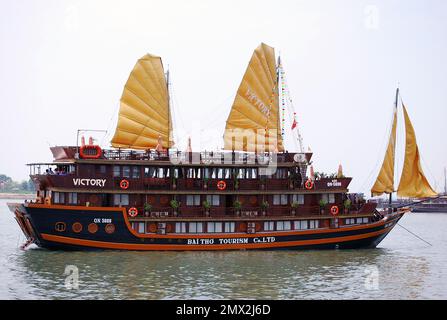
[{"x": 413, "y": 183}]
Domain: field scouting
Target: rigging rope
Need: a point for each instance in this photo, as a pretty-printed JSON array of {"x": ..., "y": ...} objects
[{"x": 414, "y": 234}]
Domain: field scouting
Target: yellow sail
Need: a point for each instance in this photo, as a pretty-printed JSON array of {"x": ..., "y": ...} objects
[
  {"x": 253, "y": 123},
  {"x": 385, "y": 180},
  {"x": 144, "y": 115},
  {"x": 413, "y": 182}
]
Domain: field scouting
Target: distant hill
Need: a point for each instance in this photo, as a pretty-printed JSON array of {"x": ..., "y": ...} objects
[{"x": 7, "y": 185}]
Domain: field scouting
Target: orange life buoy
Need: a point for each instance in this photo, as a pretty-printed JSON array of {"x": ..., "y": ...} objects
[
  {"x": 309, "y": 184},
  {"x": 133, "y": 212},
  {"x": 334, "y": 210},
  {"x": 221, "y": 185},
  {"x": 124, "y": 184}
]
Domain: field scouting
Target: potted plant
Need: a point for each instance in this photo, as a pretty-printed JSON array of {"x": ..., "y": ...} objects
[
  {"x": 237, "y": 206},
  {"x": 174, "y": 183},
  {"x": 322, "y": 204},
  {"x": 175, "y": 205},
  {"x": 263, "y": 182},
  {"x": 205, "y": 183},
  {"x": 147, "y": 209},
  {"x": 206, "y": 205},
  {"x": 264, "y": 207},
  {"x": 294, "y": 205},
  {"x": 236, "y": 182},
  {"x": 347, "y": 204}
]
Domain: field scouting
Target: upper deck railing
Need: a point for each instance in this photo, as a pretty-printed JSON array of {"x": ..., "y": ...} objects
[{"x": 177, "y": 157}]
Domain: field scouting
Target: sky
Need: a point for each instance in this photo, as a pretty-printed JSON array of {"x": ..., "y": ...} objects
[{"x": 63, "y": 65}]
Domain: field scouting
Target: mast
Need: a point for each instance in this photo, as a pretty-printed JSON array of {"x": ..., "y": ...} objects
[{"x": 395, "y": 107}]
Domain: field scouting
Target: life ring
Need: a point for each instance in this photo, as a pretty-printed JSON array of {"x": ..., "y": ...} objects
[
  {"x": 334, "y": 210},
  {"x": 124, "y": 184},
  {"x": 133, "y": 212},
  {"x": 309, "y": 184},
  {"x": 221, "y": 185}
]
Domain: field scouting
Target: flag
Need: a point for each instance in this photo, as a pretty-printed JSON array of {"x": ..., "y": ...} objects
[{"x": 294, "y": 124}]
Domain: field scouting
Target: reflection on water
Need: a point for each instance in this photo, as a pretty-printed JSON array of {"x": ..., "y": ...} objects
[{"x": 403, "y": 267}]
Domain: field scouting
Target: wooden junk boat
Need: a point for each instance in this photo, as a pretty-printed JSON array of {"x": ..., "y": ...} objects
[{"x": 143, "y": 194}]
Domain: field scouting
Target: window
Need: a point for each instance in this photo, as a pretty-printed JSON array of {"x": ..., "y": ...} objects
[
  {"x": 365, "y": 220},
  {"x": 299, "y": 198},
  {"x": 214, "y": 227},
  {"x": 350, "y": 221},
  {"x": 283, "y": 225},
  {"x": 269, "y": 226},
  {"x": 135, "y": 172},
  {"x": 126, "y": 172},
  {"x": 300, "y": 225},
  {"x": 220, "y": 173},
  {"x": 72, "y": 198},
  {"x": 116, "y": 171},
  {"x": 193, "y": 200},
  {"x": 101, "y": 169},
  {"x": 121, "y": 199},
  {"x": 331, "y": 198},
  {"x": 229, "y": 227},
  {"x": 214, "y": 200},
  {"x": 313, "y": 224},
  {"x": 59, "y": 197},
  {"x": 140, "y": 226},
  {"x": 195, "y": 227},
  {"x": 280, "y": 199},
  {"x": 180, "y": 227}
]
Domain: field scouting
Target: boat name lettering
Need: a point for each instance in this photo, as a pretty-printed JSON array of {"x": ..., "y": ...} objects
[
  {"x": 334, "y": 183},
  {"x": 230, "y": 241},
  {"x": 102, "y": 220},
  {"x": 253, "y": 98},
  {"x": 264, "y": 240},
  {"x": 90, "y": 182}
]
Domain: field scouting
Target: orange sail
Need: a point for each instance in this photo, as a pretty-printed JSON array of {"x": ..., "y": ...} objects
[
  {"x": 413, "y": 182},
  {"x": 144, "y": 116},
  {"x": 253, "y": 123},
  {"x": 385, "y": 180}
]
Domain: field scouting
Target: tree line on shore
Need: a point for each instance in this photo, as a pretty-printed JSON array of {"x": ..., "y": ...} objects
[{"x": 7, "y": 185}]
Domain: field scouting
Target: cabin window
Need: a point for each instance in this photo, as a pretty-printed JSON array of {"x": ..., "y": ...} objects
[
  {"x": 126, "y": 172},
  {"x": 175, "y": 172},
  {"x": 160, "y": 173},
  {"x": 214, "y": 227},
  {"x": 350, "y": 221},
  {"x": 213, "y": 173},
  {"x": 101, "y": 169},
  {"x": 193, "y": 200},
  {"x": 280, "y": 199},
  {"x": 269, "y": 226},
  {"x": 140, "y": 226},
  {"x": 283, "y": 225},
  {"x": 214, "y": 200},
  {"x": 121, "y": 199},
  {"x": 206, "y": 173},
  {"x": 227, "y": 173},
  {"x": 229, "y": 227},
  {"x": 180, "y": 227},
  {"x": 195, "y": 227},
  {"x": 328, "y": 197},
  {"x": 299, "y": 198},
  {"x": 300, "y": 225},
  {"x": 116, "y": 171},
  {"x": 72, "y": 198},
  {"x": 362, "y": 220},
  {"x": 220, "y": 173},
  {"x": 313, "y": 224},
  {"x": 59, "y": 197},
  {"x": 150, "y": 172},
  {"x": 135, "y": 172}
]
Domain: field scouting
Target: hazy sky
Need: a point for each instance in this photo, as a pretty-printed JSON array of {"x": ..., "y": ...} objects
[{"x": 63, "y": 65}]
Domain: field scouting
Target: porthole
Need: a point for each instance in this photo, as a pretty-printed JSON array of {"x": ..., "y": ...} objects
[
  {"x": 60, "y": 226},
  {"x": 92, "y": 228},
  {"x": 76, "y": 227},
  {"x": 109, "y": 228}
]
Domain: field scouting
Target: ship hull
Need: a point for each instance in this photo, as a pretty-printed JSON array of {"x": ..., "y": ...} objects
[{"x": 38, "y": 222}]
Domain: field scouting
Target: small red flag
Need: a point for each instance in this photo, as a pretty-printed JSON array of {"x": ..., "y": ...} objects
[{"x": 294, "y": 124}]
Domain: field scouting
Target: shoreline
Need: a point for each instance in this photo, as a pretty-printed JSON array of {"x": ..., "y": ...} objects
[{"x": 20, "y": 196}]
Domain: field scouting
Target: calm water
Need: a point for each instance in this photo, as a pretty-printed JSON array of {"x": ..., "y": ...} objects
[{"x": 403, "y": 267}]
